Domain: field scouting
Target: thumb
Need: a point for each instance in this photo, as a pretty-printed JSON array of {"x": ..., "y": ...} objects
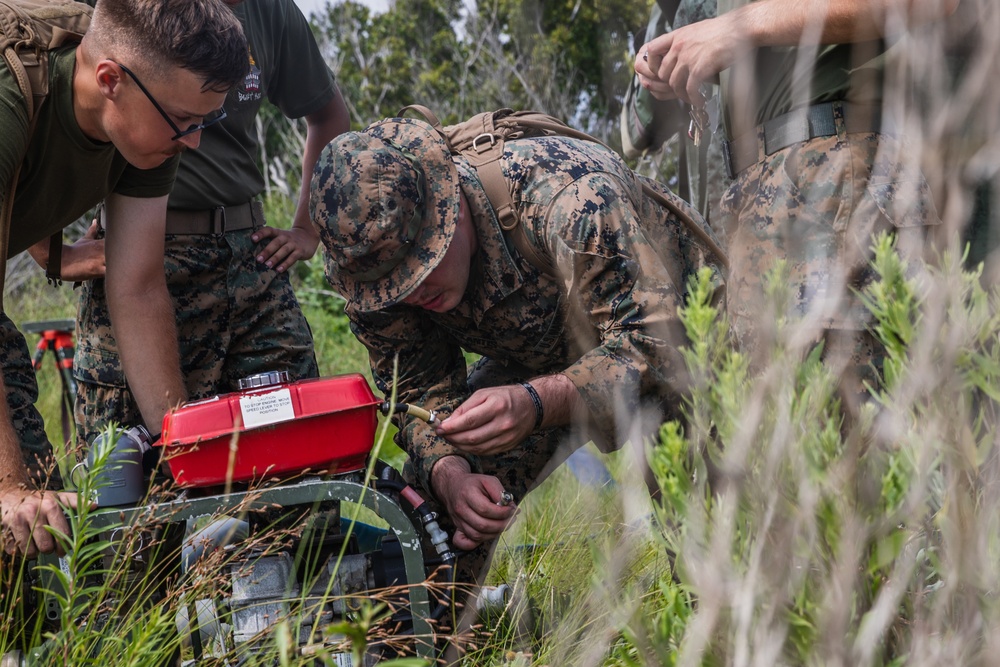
[
  {"x": 493, "y": 488},
  {"x": 91, "y": 234}
]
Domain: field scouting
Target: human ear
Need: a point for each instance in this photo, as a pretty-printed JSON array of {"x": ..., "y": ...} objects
[{"x": 109, "y": 78}]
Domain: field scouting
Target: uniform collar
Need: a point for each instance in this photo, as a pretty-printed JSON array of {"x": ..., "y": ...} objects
[{"x": 499, "y": 276}]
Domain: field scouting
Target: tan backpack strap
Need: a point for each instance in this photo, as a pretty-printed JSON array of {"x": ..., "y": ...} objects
[
  {"x": 483, "y": 154},
  {"x": 428, "y": 115}
]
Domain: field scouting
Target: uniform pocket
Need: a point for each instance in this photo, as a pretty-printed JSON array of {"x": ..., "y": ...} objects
[
  {"x": 895, "y": 197},
  {"x": 904, "y": 202},
  {"x": 97, "y": 365}
]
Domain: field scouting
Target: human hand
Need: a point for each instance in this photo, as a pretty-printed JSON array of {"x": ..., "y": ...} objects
[
  {"x": 491, "y": 421},
  {"x": 83, "y": 260},
  {"x": 472, "y": 502},
  {"x": 287, "y": 246},
  {"x": 676, "y": 64},
  {"x": 26, "y": 514}
]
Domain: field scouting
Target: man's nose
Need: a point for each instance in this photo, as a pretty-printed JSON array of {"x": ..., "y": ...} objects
[{"x": 192, "y": 141}]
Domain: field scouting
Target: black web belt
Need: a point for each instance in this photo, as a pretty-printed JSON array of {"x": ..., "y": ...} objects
[
  {"x": 795, "y": 127},
  {"x": 217, "y": 220}
]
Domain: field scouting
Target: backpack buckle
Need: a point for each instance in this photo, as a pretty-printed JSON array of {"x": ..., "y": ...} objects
[{"x": 487, "y": 136}]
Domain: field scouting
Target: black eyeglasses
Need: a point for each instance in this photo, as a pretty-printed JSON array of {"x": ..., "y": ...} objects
[{"x": 178, "y": 132}]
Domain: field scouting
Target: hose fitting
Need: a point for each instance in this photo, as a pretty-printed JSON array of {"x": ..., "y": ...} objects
[{"x": 429, "y": 416}]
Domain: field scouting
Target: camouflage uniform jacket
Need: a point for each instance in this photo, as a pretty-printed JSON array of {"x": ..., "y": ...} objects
[{"x": 609, "y": 323}]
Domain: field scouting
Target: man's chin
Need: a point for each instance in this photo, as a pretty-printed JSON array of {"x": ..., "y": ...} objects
[{"x": 154, "y": 160}]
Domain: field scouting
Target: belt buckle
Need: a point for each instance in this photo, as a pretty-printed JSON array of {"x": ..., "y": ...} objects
[{"x": 217, "y": 221}]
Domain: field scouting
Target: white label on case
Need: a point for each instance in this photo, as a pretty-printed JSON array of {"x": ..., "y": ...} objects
[{"x": 269, "y": 408}]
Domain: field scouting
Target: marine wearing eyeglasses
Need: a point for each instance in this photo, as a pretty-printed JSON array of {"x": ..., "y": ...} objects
[
  {"x": 96, "y": 137},
  {"x": 227, "y": 270}
]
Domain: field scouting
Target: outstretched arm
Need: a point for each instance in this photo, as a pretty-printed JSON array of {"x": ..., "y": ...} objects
[
  {"x": 26, "y": 514},
  {"x": 677, "y": 63},
  {"x": 142, "y": 313}
]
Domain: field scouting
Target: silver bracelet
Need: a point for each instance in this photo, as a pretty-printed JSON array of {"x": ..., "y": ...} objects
[{"x": 537, "y": 400}]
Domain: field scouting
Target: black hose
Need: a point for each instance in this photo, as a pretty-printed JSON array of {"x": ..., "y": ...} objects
[
  {"x": 423, "y": 509},
  {"x": 389, "y": 485}
]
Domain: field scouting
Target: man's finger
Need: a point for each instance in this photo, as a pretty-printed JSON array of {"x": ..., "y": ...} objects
[
  {"x": 68, "y": 499},
  {"x": 42, "y": 539},
  {"x": 17, "y": 538},
  {"x": 263, "y": 233},
  {"x": 462, "y": 541}
]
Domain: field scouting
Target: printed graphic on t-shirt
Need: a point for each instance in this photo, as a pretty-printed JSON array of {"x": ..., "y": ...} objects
[{"x": 250, "y": 90}]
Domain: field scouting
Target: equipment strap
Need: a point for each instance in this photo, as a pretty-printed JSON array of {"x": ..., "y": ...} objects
[{"x": 53, "y": 267}]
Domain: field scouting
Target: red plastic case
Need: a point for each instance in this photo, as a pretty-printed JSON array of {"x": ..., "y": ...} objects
[{"x": 324, "y": 425}]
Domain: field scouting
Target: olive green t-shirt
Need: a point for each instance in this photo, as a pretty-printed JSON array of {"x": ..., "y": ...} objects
[
  {"x": 287, "y": 68},
  {"x": 63, "y": 172},
  {"x": 772, "y": 81}
]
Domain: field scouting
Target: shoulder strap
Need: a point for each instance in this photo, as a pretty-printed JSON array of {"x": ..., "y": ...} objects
[
  {"x": 29, "y": 29},
  {"x": 480, "y": 141}
]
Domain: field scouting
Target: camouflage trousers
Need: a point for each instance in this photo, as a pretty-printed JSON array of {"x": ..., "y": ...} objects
[
  {"x": 519, "y": 470},
  {"x": 817, "y": 205},
  {"x": 22, "y": 393},
  {"x": 235, "y": 317}
]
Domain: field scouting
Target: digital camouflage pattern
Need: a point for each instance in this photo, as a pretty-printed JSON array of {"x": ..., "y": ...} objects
[
  {"x": 235, "y": 317},
  {"x": 817, "y": 205},
  {"x": 385, "y": 200},
  {"x": 609, "y": 322},
  {"x": 22, "y": 392}
]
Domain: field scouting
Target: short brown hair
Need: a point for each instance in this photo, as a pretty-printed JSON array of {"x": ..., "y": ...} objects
[{"x": 203, "y": 36}]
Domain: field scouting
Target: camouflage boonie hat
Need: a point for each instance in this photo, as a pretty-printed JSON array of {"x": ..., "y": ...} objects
[{"x": 385, "y": 201}]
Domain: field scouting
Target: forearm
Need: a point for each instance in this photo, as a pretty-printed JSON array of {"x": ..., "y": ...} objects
[
  {"x": 559, "y": 397},
  {"x": 786, "y": 22},
  {"x": 612, "y": 385},
  {"x": 143, "y": 324},
  {"x": 321, "y": 127},
  {"x": 142, "y": 314},
  {"x": 40, "y": 253},
  {"x": 12, "y": 471},
  {"x": 445, "y": 471}
]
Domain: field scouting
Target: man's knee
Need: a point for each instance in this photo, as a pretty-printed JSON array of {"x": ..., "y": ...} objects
[{"x": 97, "y": 406}]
